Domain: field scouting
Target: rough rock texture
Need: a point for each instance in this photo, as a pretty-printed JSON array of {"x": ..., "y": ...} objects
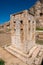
[
  {"x": 41, "y": 1},
  {"x": 37, "y": 11}
]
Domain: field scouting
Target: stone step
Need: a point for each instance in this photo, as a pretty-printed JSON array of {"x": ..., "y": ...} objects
[
  {"x": 32, "y": 50},
  {"x": 16, "y": 54},
  {"x": 33, "y": 57},
  {"x": 36, "y": 52},
  {"x": 17, "y": 50},
  {"x": 26, "y": 55}
]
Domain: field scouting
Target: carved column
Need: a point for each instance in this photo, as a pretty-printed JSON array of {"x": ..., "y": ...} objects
[
  {"x": 12, "y": 24},
  {"x": 17, "y": 35}
]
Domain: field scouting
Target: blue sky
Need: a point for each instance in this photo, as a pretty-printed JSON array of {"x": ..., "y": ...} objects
[{"x": 8, "y": 7}]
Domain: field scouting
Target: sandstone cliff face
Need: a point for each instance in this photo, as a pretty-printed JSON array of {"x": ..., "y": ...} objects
[
  {"x": 37, "y": 11},
  {"x": 41, "y": 1}
]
